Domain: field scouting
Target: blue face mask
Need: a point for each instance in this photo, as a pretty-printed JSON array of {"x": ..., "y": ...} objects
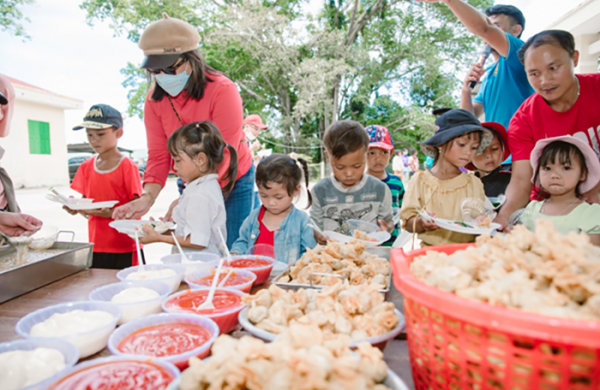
[{"x": 173, "y": 84}]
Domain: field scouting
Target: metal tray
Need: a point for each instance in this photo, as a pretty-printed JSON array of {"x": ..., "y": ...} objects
[
  {"x": 23, "y": 279},
  {"x": 383, "y": 252}
]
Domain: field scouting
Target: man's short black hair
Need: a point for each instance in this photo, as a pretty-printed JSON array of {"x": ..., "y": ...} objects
[
  {"x": 345, "y": 137},
  {"x": 561, "y": 38},
  {"x": 508, "y": 10}
]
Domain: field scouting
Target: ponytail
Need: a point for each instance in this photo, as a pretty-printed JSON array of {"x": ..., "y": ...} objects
[
  {"x": 231, "y": 171},
  {"x": 304, "y": 185}
]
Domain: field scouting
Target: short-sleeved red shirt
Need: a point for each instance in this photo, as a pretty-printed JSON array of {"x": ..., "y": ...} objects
[
  {"x": 122, "y": 184},
  {"x": 535, "y": 120}
]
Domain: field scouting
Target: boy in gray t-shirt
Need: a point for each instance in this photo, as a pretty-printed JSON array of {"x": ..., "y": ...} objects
[{"x": 350, "y": 193}]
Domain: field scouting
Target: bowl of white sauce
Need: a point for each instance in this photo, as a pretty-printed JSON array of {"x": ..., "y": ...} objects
[
  {"x": 170, "y": 274},
  {"x": 136, "y": 298},
  {"x": 87, "y": 325},
  {"x": 195, "y": 260},
  {"x": 32, "y": 363}
]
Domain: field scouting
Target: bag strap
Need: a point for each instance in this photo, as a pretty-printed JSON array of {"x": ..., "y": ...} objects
[{"x": 174, "y": 110}]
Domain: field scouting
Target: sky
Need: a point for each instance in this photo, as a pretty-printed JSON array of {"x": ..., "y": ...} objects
[{"x": 67, "y": 56}]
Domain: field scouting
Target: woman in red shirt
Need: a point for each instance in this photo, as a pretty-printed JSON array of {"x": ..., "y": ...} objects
[
  {"x": 564, "y": 103},
  {"x": 188, "y": 90}
]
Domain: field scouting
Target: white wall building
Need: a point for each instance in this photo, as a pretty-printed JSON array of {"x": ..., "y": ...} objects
[
  {"x": 36, "y": 148},
  {"x": 584, "y": 23}
]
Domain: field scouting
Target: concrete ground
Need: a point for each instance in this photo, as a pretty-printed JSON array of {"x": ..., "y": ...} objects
[{"x": 32, "y": 201}]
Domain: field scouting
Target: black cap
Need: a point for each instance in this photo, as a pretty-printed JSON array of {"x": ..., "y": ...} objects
[
  {"x": 3, "y": 99},
  {"x": 441, "y": 111},
  {"x": 101, "y": 116},
  {"x": 452, "y": 124},
  {"x": 159, "y": 61}
]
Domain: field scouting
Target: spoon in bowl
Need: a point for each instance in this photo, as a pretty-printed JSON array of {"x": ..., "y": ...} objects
[
  {"x": 208, "y": 305},
  {"x": 181, "y": 252}
]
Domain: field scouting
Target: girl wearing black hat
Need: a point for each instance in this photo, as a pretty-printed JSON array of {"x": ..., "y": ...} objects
[{"x": 458, "y": 137}]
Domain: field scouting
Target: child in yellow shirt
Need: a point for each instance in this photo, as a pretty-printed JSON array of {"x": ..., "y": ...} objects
[{"x": 458, "y": 137}]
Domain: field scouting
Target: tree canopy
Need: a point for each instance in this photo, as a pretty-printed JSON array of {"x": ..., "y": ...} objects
[
  {"x": 304, "y": 66},
  {"x": 11, "y": 17}
]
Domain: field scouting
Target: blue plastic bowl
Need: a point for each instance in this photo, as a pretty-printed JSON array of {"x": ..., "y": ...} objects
[
  {"x": 87, "y": 343},
  {"x": 68, "y": 350},
  {"x": 131, "y": 311}
]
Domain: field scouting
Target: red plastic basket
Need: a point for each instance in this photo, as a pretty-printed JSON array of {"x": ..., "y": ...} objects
[{"x": 458, "y": 343}]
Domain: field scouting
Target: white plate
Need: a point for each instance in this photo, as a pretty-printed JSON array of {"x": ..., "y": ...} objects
[
  {"x": 278, "y": 267},
  {"x": 452, "y": 226},
  {"x": 268, "y": 336},
  {"x": 129, "y": 226},
  {"x": 93, "y": 206},
  {"x": 392, "y": 381},
  {"x": 381, "y": 237}
]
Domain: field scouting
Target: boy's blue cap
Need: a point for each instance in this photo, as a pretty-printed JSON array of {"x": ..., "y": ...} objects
[
  {"x": 101, "y": 116},
  {"x": 452, "y": 124}
]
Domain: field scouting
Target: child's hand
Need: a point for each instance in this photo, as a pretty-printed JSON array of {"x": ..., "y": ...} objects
[
  {"x": 169, "y": 214},
  {"x": 321, "y": 239},
  {"x": 428, "y": 226},
  {"x": 70, "y": 211},
  {"x": 150, "y": 235},
  {"x": 105, "y": 212},
  {"x": 385, "y": 226}
]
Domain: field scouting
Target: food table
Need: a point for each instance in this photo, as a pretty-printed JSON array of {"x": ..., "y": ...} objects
[{"x": 77, "y": 287}]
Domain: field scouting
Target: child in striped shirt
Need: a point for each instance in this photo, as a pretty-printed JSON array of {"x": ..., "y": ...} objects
[{"x": 380, "y": 150}]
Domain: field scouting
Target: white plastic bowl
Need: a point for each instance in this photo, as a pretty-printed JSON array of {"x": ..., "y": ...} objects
[
  {"x": 226, "y": 320},
  {"x": 87, "y": 343},
  {"x": 197, "y": 260},
  {"x": 172, "y": 281},
  {"x": 44, "y": 238},
  {"x": 180, "y": 360},
  {"x": 122, "y": 358},
  {"x": 131, "y": 311},
  {"x": 68, "y": 350},
  {"x": 378, "y": 341},
  {"x": 245, "y": 287}
]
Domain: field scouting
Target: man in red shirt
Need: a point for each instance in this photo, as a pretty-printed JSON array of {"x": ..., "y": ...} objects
[
  {"x": 564, "y": 104},
  {"x": 107, "y": 176}
]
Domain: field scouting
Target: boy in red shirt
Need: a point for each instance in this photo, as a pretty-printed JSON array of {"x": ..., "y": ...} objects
[{"x": 107, "y": 176}]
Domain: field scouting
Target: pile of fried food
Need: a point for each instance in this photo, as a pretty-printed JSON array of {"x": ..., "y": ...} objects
[
  {"x": 355, "y": 311},
  {"x": 360, "y": 235},
  {"x": 300, "y": 358},
  {"x": 542, "y": 272},
  {"x": 348, "y": 261}
]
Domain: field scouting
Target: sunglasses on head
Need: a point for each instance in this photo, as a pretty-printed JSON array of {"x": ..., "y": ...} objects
[{"x": 170, "y": 70}]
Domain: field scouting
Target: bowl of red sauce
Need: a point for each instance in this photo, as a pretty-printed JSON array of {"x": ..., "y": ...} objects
[
  {"x": 260, "y": 266},
  {"x": 171, "y": 337},
  {"x": 124, "y": 372},
  {"x": 227, "y": 302},
  {"x": 239, "y": 279}
]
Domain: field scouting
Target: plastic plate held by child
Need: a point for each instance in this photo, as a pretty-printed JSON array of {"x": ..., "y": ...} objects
[
  {"x": 129, "y": 226},
  {"x": 466, "y": 227},
  {"x": 377, "y": 238}
]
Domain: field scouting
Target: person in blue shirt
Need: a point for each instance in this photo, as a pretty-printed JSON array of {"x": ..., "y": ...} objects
[{"x": 504, "y": 84}]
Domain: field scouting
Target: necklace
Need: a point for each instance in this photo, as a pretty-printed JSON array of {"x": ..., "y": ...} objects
[{"x": 562, "y": 212}]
